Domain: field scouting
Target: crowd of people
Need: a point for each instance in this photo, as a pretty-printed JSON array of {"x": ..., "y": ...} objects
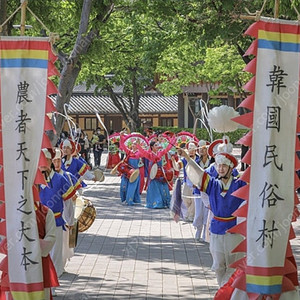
[
  {"x": 206, "y": 174},
  {"x": 155, "y": 163},
  {"x": 87, "y": 146}
]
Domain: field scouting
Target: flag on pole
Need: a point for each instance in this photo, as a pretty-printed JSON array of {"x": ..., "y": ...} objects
[
  {"x": 269, "y": 267},
  {"x": 25, "y": 66}
]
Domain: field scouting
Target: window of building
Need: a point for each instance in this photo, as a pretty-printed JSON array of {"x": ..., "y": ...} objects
[
  {"x": 224, "y": 101},
  {"x": 166, "y": 122},
  {"x": 147, "y": 121},
  {"x": 90, "y": 123},
  {"x": 194, "y": 103}
]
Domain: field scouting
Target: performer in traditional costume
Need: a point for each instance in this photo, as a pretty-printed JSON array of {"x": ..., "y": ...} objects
[
  {"x": 53, "y": 195},
  {"x": 158, "y": 193},
  {"x": 47, "y": 234},
  {"x": 222, "y": 204},
  {"x": 113, "y": 151},
  {"x": 201, "y": 218},
  {"x": 188, "y": 206},
  {"x": 130, "y": 191},
  {"x": 72, "y": 164},
  {"x": 67, "y": 252}
]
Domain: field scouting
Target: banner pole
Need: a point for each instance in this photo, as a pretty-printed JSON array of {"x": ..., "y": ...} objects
[
  {"x": 23, "y": 17},
  {"x": 276, "y": 9}
]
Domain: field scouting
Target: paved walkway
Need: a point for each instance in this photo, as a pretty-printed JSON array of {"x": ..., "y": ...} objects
[{"x": 138, "y": 253}]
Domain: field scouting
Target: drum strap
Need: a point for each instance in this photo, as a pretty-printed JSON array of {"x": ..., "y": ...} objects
[
  {"x": 140, "y": 164},
  {"x": 163, "y": 170},
  {"x": 224, "y": 219},
  {"x": 57, "y": 215},
  {"x": 70, "y": 179}
]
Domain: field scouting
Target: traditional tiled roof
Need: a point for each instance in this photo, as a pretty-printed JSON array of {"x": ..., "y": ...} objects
[{"x": 87, "y": 103}]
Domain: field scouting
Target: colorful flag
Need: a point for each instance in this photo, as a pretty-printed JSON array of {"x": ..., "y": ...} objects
[
  {"x": 25, "y": 65},
  {"x": 269, "y": 266}
]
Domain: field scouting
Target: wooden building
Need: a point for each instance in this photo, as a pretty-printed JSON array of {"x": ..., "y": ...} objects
[
  {"x": 154, "y": 110},
  {"x": 189, "y": 101}
]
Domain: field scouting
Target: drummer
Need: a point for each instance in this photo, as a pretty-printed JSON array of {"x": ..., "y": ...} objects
[
  {"x": 158, "y": 193},
  {"x": 130, "y": 192},
  {"x": 88, "y": 174},
  {"x": 54, "y": 195},
  {"x": 72, "y": 164},
  {"x": 67, "y": 252}
]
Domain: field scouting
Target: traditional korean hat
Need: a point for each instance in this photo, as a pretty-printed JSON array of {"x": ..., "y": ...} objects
[
  {"x": 191, "y": 146},
  {"x": 58, "y": 153},
  {"x": 68, "y": 143},
  {"x": 226, "y": 159},
  {"x": 219, "y": 119},
  {"x": 203, "y": 143},
  {"x": 49, "y": 153},
  {"x": 222, "y": 152},
  {"x": 213, "y": 147}
]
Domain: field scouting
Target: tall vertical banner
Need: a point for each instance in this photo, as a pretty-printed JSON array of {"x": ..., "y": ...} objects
[
  {"x": 269, "y": 267},
  {"x": 24, "y": 72}
]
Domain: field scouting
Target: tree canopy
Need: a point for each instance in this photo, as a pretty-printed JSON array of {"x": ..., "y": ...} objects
[{"x": 128, "y": 43}]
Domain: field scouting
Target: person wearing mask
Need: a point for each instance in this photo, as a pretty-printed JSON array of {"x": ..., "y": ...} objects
[{"x": 98, "y": 141}]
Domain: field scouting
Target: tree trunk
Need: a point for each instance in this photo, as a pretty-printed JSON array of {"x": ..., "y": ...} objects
[
  {"x": 134, "y": 112},
  {"x": 72, "y": 64},
  {"x": 129, "y": 116},
  {"x": 129, "y": 109},
  {"x": 3, "y": 16}
]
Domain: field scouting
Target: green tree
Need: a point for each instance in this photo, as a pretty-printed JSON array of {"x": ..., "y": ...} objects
[
  {"x": 134, "y": 41},
  {"x": 78, "y": 24}
]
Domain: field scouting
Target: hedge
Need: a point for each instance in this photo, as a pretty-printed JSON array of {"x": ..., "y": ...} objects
[{"x": 202, "y": 133}]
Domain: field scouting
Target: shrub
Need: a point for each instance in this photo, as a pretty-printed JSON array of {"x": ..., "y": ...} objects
[{"x": 202, "y": 133}]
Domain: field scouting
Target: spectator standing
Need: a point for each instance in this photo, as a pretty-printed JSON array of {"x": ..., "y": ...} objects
[
  {"x": 98, "y": 141},
  {"x": 84, "y": 147}
]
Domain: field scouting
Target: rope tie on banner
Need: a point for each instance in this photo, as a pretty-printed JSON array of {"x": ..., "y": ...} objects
[
  {"x": 38, "y": 19},
  {"x": 256, "y": 16},
  {"x": 53, "y": 37},
  {"x": 296, "y": 10},
  {"x": 1, "y": 26}
]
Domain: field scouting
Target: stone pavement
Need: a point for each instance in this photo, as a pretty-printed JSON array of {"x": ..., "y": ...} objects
[{"x": 138, "y": 253}]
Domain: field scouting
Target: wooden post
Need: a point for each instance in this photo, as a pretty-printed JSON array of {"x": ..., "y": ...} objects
[
  {"x": 276, "y": 9},
  {"x": 23, "y": 16}
]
